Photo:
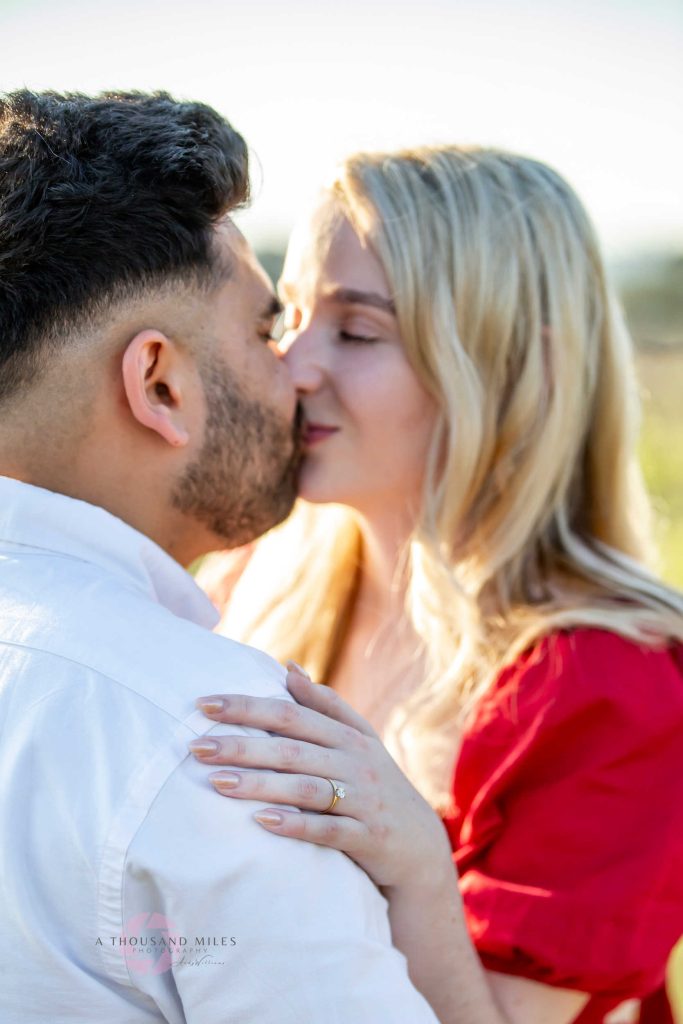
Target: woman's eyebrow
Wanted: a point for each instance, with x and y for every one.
(349, 296)
(353, 297)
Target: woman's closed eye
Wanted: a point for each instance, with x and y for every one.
(357, 326)
(358, 329)
(348, 336)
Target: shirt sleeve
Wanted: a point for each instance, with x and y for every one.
(568, 822)
(264, 928)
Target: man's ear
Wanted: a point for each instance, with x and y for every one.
(155, 384)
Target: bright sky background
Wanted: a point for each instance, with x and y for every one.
(594, 87)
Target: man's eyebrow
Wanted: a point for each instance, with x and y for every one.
(272, 308)
(353, 297)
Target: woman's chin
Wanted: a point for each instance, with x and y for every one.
(320, 487)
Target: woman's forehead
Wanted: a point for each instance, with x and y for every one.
(325, 254)
(309, 245)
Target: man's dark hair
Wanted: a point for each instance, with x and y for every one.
(101, 198)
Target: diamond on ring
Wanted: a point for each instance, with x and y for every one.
(338, 793)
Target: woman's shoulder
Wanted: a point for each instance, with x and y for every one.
(573, 694)
(583, 715)
(590, 667)
(594, 651)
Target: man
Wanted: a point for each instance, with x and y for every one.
(145, 421)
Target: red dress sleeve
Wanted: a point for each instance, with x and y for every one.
(568, 823)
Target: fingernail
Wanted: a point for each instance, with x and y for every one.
(293, 665)
(268, 817)
(225, 780)
(204, 747)
(212, 706)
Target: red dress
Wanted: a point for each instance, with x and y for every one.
(568, 823)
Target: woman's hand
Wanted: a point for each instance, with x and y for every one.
(381, 821)
(384, 824)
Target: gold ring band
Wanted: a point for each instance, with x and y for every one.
(338, 793)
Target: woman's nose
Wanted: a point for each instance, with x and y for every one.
(302, 354)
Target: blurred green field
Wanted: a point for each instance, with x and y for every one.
(661, 450)
(652, 294)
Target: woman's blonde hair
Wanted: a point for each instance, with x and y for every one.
(534, 516)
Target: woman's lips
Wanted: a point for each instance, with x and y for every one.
(314, 433)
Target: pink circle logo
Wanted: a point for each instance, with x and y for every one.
(148, 942)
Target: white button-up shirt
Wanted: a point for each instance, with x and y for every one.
(129, 890)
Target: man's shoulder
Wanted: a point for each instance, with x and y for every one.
(91, 622)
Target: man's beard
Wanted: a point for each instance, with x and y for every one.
(244, 480)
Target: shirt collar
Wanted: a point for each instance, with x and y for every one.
(40, 519)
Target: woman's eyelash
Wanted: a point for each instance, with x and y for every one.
(356, 337)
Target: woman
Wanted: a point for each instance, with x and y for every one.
(465, 572)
